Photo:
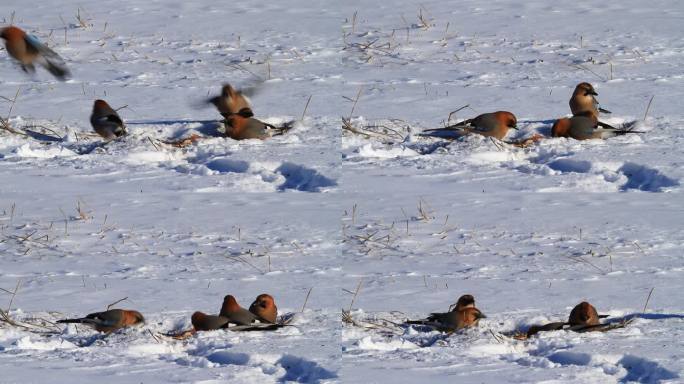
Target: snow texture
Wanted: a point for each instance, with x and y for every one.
(413, 222)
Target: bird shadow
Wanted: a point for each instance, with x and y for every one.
(40, 136)
(647, 316)
(452, 134)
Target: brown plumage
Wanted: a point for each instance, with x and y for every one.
(109, 321)
(494, 124)
(106, 122)
(230, 101)
(28, 50)
(264, 308)
(465, 301)
(235, 313)
(204, 322)
(463, 315)
(455, 320)
(242, 126)
(583, 314)
(583, 100)
(585, 126)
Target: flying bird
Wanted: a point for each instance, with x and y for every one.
(231, 101)
(28, 51)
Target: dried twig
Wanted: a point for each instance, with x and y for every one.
(456, 111)
(648, 107)
(16, 289)
(4, 122)
(647, 299)
(306, 107)
(306, 300)
(153, 336)
(582, 67)
(358, 288)
(116, 302)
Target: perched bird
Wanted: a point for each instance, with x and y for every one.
(583, 100)
(264, 308)
(28, 50)
(235, 313)
(109, 321)
(583, 318)
(106, 122)
(204, 322)
(241, 126)
(585, 126)
(583, 314)
(454, 320)
(495, 124)
(465, 301)
(463, 315)
(230, 101)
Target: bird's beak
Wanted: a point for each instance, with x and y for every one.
(592, 93)
(514, 127)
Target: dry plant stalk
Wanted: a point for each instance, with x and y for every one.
(4, 122)
(358, 288)
(382, 324)
(306, 107)
(306, 300)
(648, 107)
(116, 302)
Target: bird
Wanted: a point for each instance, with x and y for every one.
(455, 320)
(264, 308)
(231, 101)
(465, 301)
(242, 126)
(235, 313)
(583, 99)
(106, 122)
(463, 315)
(584, 314)
(28, 50)
(585, 126)
(494, 124)
(204, 322)
(110, 320)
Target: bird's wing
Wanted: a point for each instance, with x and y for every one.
(115, 119)
(214, 100)
(48, 58)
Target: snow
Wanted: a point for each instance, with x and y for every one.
(413, 221)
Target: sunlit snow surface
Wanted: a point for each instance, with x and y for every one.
(418, 221)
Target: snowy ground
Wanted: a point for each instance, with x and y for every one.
(417, 221)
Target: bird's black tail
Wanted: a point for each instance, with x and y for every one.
(83, 320)
(58, 69)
